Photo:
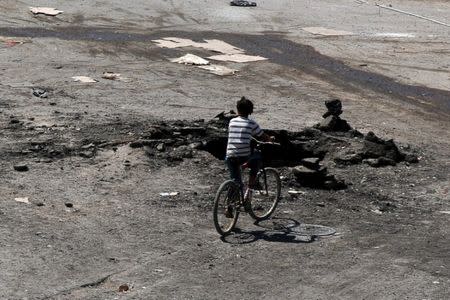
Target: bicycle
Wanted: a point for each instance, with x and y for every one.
(263, 200)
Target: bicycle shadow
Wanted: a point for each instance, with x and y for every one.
(281, 230)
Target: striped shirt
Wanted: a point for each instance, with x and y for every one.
(240, 132)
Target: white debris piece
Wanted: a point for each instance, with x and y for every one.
(49, 11)
(240, 58)
(111, 75)
(84, 79)
(171, 194)
(447, 212)
(326, 31)
(22, 199)
(212, 45)
(190, 59)
(219, 70)
(294, 192)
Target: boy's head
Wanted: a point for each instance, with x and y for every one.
(244, 107)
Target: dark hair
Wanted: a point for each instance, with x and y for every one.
(244, 106)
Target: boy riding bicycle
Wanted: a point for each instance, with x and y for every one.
(241, 130)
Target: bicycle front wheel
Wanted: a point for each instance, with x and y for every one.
(266, 194)
(226, 207)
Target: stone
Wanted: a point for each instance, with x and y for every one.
(334, 108)
(161, 147)
(21, 168)
(411, 158)
(348, 158)
(311, 162)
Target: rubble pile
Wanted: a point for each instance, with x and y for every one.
(308, 152)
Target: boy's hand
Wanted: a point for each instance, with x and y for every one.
(271, 139)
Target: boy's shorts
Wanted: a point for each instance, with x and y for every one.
(234, 165)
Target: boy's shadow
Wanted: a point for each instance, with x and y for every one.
(282, 230)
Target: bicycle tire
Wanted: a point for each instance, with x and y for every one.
(228, 189)
(265, 199)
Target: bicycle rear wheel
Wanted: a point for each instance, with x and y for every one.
(266, 194)
(226, 207)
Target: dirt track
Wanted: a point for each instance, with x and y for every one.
(95, 220)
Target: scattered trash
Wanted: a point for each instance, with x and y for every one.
(447, 212)
(326, 31)
(111, 75)
(238, 57)
(242, 3)
(84, 79)
(48, 11)
(190, 59)
(21, 168)
(40, 93)
(22, 199)
(219, 70)
(294, 192)
(377, 211)
(212, 45)
(123, 288)
(171, 194)
(12, 41)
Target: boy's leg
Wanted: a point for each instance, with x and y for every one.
(255, 164)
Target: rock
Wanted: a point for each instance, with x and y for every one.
(21, 168)
(40, 93)
(123, 288)
(197, 145)
(411, 158)
(86, 154)
(380, 162)
(333, 123)
(346, 158)
(14, 121)
(334, 108)
(304, 172)
(311, 162)
(161, 147)
(334, 184)
(68, 204)
(137, 144)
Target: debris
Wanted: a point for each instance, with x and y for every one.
(68, 204)
(294, 192)
(212, 45)
(84, 79)
(332, 121)
(21, 168)
(171, 194)
(40, 93)
(161, 147)
(447, 212)
(219, 70)
(311, 163)
(123, 288)
(12, 41)
(48, 11)
(190, 59)
(242, 3)
(111, 75)
(326, 31)
(240, 58)
(22, 199)
(377, 211)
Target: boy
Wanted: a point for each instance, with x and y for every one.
(240, 132)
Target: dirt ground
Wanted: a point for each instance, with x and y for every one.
(95, 220)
